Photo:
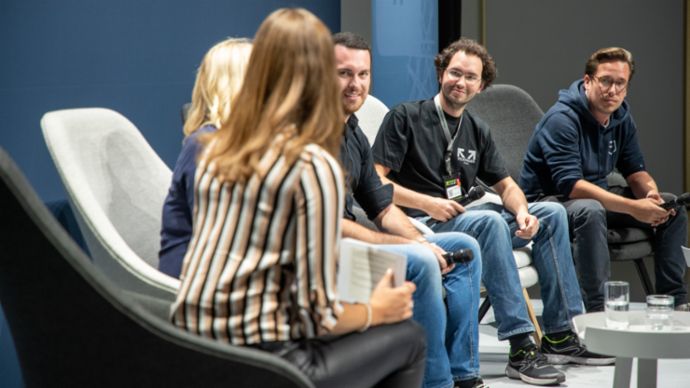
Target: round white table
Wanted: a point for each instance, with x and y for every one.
(637, 341)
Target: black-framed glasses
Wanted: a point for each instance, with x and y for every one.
(455, 75)
(607, 83)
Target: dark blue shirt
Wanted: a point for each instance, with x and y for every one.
(362, 181)
(176, 230)
(568, 144)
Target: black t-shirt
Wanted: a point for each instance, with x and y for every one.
(412, 144)
(361, 178)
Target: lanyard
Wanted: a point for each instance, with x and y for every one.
(446, 133)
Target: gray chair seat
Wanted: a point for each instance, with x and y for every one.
(628, 235)
(630, 251)
(629, 243)
(632, 244)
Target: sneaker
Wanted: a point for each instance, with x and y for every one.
(530, 366)
(571, 350)
(471, 383)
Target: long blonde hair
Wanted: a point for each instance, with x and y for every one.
(292, 84)
(218, 80)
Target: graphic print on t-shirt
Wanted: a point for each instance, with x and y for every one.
(466, 156)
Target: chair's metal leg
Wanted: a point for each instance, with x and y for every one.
(644, 276)
(532, 317)
(485, 306)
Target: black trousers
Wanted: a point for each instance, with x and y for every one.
(386, 356)
(589, 222)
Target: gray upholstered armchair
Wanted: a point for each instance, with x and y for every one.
(72, 327)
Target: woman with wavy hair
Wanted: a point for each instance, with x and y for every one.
(260, 269)
(218, 80)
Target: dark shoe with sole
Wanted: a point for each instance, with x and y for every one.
(471, 383)
(530, 366)
(570, 350)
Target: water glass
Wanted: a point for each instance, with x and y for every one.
(659, 311)
(617, 304)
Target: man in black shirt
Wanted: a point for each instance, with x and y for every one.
(435, 151)
(451, 328)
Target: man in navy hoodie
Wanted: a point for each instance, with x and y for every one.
(575, 146)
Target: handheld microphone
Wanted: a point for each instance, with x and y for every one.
(680, 201)
(472, 195)
(459, 256)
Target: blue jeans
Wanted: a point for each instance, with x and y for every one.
(494, 228)
(589, 222)
(451, 327)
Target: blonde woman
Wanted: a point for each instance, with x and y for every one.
(260, 268)
(218, 80)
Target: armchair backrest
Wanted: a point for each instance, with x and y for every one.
(117, 184)
(371, 116)
(512, 115)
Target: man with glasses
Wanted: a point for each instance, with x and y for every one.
(434, 150)
(447, 295)
(578, 142)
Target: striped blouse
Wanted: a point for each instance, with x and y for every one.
(262, 260)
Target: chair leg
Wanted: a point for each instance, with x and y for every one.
(484, 308)
(532, 317)
(644, 276)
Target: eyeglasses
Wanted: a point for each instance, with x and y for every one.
(455, 75)
(607, 82)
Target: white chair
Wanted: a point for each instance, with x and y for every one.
(370, 117)
(116, 184)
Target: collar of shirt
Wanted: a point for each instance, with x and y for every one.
(351, 123)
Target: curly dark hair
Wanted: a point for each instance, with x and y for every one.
(469, 46)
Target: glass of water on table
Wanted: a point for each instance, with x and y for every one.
(659, 311)
(617, 304)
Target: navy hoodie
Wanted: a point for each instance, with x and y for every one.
(568, 144)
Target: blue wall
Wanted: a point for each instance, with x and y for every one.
(404, 38)
(137, 57)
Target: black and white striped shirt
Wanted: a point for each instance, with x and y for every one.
(261, 265)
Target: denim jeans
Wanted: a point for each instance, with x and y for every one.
(494, 228)
(589, 222)
(451, 327)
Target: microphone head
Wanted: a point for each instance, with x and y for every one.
(683, 198)
(459, 256)
(476, 192)
(680, 201)
(473, 194)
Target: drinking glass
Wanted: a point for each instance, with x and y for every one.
(617, 303)
(659, 311)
